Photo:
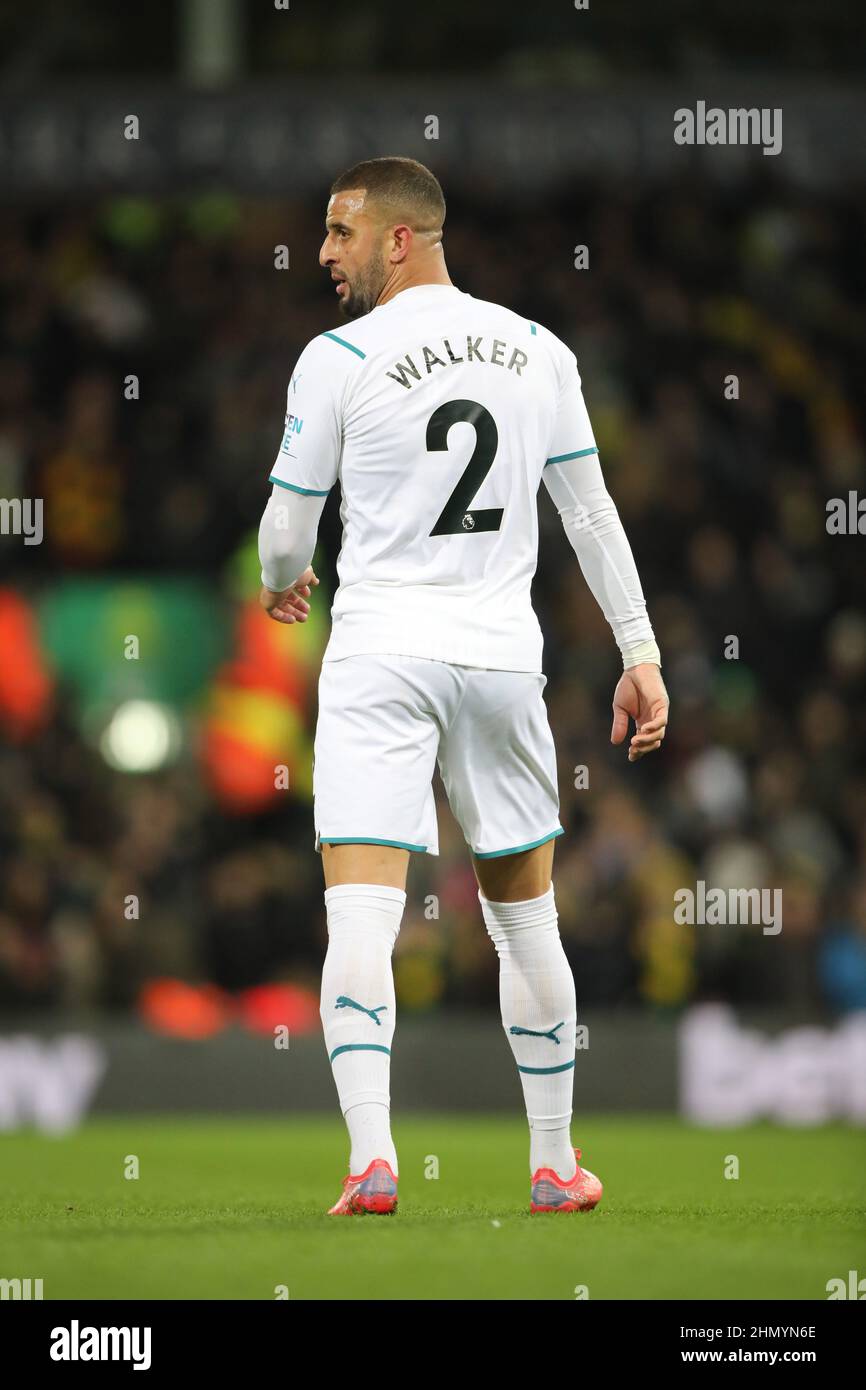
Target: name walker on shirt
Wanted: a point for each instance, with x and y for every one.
(409, 369)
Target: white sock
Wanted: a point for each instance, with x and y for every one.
(357, 1010)
(539, 1014)
(369, 1126)
(552, 1148)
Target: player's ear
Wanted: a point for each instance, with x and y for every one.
(401, 242)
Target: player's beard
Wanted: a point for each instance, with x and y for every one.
(365, 289)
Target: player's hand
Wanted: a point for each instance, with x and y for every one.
(641, 694)
(290, 606)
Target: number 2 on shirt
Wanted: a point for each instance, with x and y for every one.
(456, 516)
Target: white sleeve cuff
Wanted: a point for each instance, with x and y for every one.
(287, 536)
(642, 652)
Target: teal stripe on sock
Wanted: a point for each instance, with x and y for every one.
(547, 1071)
(359, 1047)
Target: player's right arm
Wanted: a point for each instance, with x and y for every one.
(305, 470)
(573, 477)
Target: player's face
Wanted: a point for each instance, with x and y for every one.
(352, 251)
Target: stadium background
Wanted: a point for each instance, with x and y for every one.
(152, 778)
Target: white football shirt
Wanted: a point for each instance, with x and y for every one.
(437, 413)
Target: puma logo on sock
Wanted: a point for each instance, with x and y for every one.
(531, 1033)
(344, 1002)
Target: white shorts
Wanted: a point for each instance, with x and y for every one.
(385, 721)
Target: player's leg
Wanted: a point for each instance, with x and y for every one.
(499, 768)
(515, 877)
(358, 863)
(358, 917)
(536, 995)
(374, 758)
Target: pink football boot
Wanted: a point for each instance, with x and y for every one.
(373, 1192)
(551, 1193)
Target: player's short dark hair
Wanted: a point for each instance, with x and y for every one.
(403, 188)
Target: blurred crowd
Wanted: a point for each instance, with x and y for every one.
(145, 348)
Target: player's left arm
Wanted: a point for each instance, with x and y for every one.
(305, 470)
(573, 477)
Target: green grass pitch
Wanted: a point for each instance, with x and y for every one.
(234, 1207)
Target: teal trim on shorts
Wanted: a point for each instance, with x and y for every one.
(305, 491)
(496, 853)
(581, 453)
(343, 343)
(360, 840)
(533, 329)
(547, 1071)
(361, 1047)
